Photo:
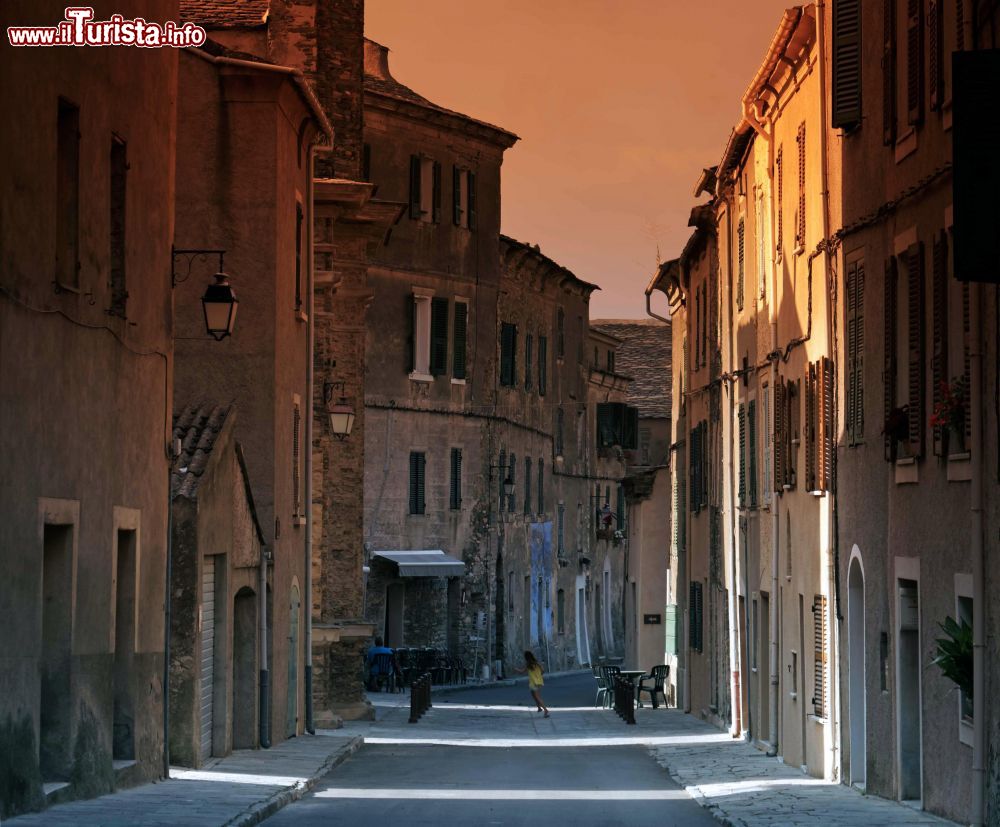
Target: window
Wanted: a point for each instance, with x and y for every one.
(620, 507)
(459, 341)
(502, 466)
(579, 341)
(617, 424)
(560, 333)
(425, 189)
(471, 199)
(611, 361)
(820, 650)
(914, 61)
(512, 475)
(541, 486)
(560, 431)
(561, 530)
(819, 426)
(455, 490)
(297, 509)
(888, 72)
(856, 352)
(846, 86)
(755, 635)
(561, 611)
(417, 465)
(439, 336)
(800, 212)
(761, 246)
(752, 450)
(741, 416)
(904, 354)
(527, 486)
(419, 340)
(508, 353)
(118, 169)
(529, 342)
(543, 364)
(964, 615)
(741, 262)
(779, 166)
(460, 193)
(765, 419)
(695, 613)
(935, 52)
(68, 194)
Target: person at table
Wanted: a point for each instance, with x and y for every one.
(373, 667)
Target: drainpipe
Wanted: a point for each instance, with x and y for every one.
(265, 685)
(978, 561)
(310, 724)
(167, 615)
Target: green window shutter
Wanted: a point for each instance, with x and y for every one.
(888, 72)
(779, 439)
(630, 428)
(561, 531)
(810, 428)
(541, 486)
(529, 347)
(527, 485)
(417, 468)
(411, 317)
(415, 186)
(752, 450)
(543, 364)
(915, 283)
(742, 419)
(670, 630)
(436, 201)
(439, 336)
(889, 353)
(695, 616)
(847, 63)
(508, 353)
(741, 260)
(460, 337)
(471, 178)
(456, 196)
(915, 61)
(512, 474)
(455, 493)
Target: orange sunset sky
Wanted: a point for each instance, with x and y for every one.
(619, 106)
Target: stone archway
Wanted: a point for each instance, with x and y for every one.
(856, 666)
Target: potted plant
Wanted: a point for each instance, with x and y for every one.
(954, 654)
(949, 413)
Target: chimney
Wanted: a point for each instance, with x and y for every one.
(377, 60)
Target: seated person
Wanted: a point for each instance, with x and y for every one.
(371, 660)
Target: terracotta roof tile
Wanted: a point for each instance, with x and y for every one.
(197, 427)
(645, 356)
(226, 14)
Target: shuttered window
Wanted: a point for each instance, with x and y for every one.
(820, 656)
(561, 530)
(779, 427)
(512, 476)
(560, 431)
(456, 196)
(560, 333)
(541, 486)
(527, 485)
(768, 464)
(417, 464)
(855, 389)
(471, 199)
(529, 348)
(752, 450)
(460, 340)
(415, 174)
(741, 262)
(436, 199)
(793, 393)
(889, 355)
(915, 338)
(117, 225)
(297, 510)
(543, 365)
(800, 212)
(888, 72)
(508, 353)
(695, 613)
(779, 166)
(846, 63)
(939, 358)
(617, 424)
(914, 61)
(742, 424)
(502, 466)
(935, 52)
(819, 426)
(455, 489)
(439, 336)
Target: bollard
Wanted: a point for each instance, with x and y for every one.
(624, 695)
(420, 697)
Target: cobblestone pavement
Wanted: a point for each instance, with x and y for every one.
(242, 789)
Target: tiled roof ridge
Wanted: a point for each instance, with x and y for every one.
(197, 426)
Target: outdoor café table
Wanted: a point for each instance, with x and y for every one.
(634, 675)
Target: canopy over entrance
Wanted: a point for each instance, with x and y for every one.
(429, 563)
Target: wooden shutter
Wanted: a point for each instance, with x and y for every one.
(417, 460)
(939, 358)
(852, 349)
(297, 510)
(847, 63)
(460, 337)
(471, 200)
(456, 196)
(561, 531)
(935, 54)
(436, 201)
(560, 431)
(512, 474)
(959, 25)
(695, 611)
(794, 433)
(415, 186)
(527, 485)
(966, 361)
(543, 364)
(298, 255)
(742, 418)
(529, 352)
(914, 61)
(508, 353)
(889, 354)
(820, 656)
(810, 428)
(824, 422)
(455, 494)
(630, 428)
(439, 335)
(888, 72)
(752, 451)
(741, 261)
(411, 334)
(779, 165)
(915, 337)
(541, 486)
(800, 215)
(856, 352)
(779, 427)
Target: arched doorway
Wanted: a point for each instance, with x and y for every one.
(292, 715)
(856, 666)
(244, 669)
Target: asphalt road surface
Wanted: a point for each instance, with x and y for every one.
(411, 784)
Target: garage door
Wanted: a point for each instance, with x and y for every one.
(207, 654)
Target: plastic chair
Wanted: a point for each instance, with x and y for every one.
(602, 687)
(608, 673)
(658, 675)
(382, 673)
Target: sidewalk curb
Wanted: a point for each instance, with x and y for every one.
(281, 799)
(444, 690)
(714, 810)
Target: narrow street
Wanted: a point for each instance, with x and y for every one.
(511, 776)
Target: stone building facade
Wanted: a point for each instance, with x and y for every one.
(86, 376)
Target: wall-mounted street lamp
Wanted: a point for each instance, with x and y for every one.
(341, 414)
(219, 302)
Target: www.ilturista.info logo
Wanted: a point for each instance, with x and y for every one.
(80, 29)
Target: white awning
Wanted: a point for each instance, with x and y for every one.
(429, 563)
